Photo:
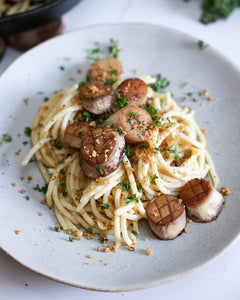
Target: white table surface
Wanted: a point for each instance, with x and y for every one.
(219, 280)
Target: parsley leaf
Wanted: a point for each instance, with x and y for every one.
(121, 101)
(160, 84)
(132, 197)
(143, 145)
(125, 186)
(174, 149)
(58, 229)
(153, 178)
(202, 45)
(114, 48)
(152, 111)
(104, 206)
(56, 144)
(100, 170)
(42, 189)
(28, 131)
(6, 138)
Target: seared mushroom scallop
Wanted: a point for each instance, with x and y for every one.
(133, 121)
(166, 215)
(135, 90)
(203, 202)
(101, 151)
(107, 68)
(74, 134)
(96, 96)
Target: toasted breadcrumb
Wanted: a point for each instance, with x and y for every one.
(18, 232)
(185, 229)
(206, 92)
(39, 213)
(90, 256)
(189, 221)
(14, 184)
(149, 251)
(210, 98)
(225, 191)
(204, 130)
(130, 248)
(22, 191)
(44, 201)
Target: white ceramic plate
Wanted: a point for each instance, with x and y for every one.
(150, 49)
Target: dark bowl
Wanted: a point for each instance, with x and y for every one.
(34, 18)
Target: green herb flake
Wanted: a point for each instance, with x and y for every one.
(111, 81)
(163, 102)
(90, 229)
(58, 229)
(188, 153)
(125, 186)
(46, 99)
(72, 238)
(156, 150)
(65, 193)
(132, 197)
(56, 144)
(160, 84)
(27, 197)
(114, 48)
(169, 121)
(140, 190)
(6, 138)
(80, 132)
(121, 101)
(174, 149)
(104, 206)
(184, 84)
(103, 240)
(121, 130)
(42, 189)
(88, 78)
(28, 131)
(128, 152)
(62, 171)
(153, 178)
(62, 161)
(100, 170)
(62, 185)
(25, 143)
(144, 146)
(61, 68)
(202, 45)
(159, 123)
(152, 111)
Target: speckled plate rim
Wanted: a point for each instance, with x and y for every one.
(160, 281)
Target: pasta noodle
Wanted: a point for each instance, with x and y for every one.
(103, 206)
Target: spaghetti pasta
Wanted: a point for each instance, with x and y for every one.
(174, 153)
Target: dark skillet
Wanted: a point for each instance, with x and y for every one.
(31, 19)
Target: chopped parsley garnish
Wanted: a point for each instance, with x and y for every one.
(111, 81)
(56, 144)
(81, 84)
(202, 45)
(174, 149)
(27, 197)
(62, 161)
(160, 84)
(87, 116)
(128, 152)
(121, 101)
(90, 229)
(80, 132)
(121, 130)
(162, 102)
(72, 238)
(62, 171)
(62, 68)
(58, 229)
(88, 78)
(132, 197)
(25, 143)
(103, 240)
(40, 125)
(28, 131)
(169, 121)
(65, 193)
(93, 53)
(114, 71)
(42, 189)
(6, 138)
(46, 99)
(132, 115)
(184, 84)
(159, 123)
(62, 185)
(188, 153)
(144, 146)
(156, 150)
(152, 111)
(100, 170)
(153, 178)
(114, 48)
(140, 189)
(104, 206)
(125, 186)
(133, 231)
